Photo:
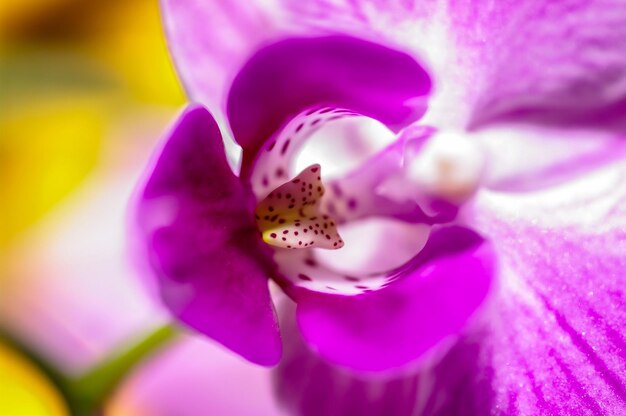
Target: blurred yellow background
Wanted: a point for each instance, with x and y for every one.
(86, 89)
(71, 72)
(23, 390)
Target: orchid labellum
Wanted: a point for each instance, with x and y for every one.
(437, 187)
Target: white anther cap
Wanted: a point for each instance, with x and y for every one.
(449, 166)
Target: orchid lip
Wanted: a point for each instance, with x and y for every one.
(291, 217)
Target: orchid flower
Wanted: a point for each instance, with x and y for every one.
(467, 241)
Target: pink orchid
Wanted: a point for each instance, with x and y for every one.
(495, 282)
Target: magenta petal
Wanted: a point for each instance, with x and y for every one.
(496, 59)
(558, 344)
(210, 40)
(204, 245)
(456, 385)
(395, 326)
(283, 79)
(307, 385)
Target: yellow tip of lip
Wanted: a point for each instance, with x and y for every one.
(290, 216)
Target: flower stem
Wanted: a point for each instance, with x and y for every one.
(90, 390)
(86, 394)
(51, 372)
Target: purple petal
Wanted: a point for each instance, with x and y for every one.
(210, 42)
(580, 42)
(211, 265)
(286, 78)
(486, 61)
(430, 302)
(306, 384)
(557, 345)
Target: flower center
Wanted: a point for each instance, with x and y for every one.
(290, 216)
(390, 191)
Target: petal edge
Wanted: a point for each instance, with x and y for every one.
(211, 266)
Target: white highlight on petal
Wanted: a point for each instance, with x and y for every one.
(529, 157)
(162, 213)
(343, 145)
(376, 247)
(432, 41)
